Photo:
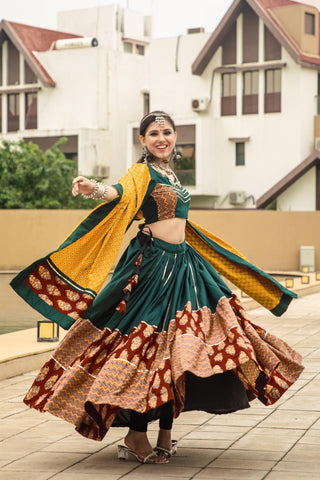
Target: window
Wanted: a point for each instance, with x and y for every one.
(13, 65)
(250, 36)
(128, 47)
(309, 24)
(229, 46)
(139, 49)
(250, 96)
(272, 96)
(229, 94)
(186, 168)
(146, 103)
(29, 76)
(31, 102)
(240, 154)
(272, 48)
(13, 112)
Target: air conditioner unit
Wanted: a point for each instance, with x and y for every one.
(317, 143)
(199, 104)
(102, 171)
(237, 197)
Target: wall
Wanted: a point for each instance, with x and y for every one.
(270, 239)
(300, 196)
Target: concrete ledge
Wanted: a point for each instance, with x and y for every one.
(20, 365)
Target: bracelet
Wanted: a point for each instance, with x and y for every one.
(99, 190)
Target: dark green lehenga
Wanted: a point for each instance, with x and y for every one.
(183, 338)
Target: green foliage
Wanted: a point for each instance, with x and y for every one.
(30, 178)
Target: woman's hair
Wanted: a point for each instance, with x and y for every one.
(151, 117)
(146, 121)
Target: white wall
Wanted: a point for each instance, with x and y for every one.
(301, 195)
(79, 98)
(97, 22)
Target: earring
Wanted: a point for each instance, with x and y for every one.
(146, 154)
(176, 156)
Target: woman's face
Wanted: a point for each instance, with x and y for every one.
(160, 140)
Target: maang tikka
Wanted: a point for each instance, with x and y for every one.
(160, 120)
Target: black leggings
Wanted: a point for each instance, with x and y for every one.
(139, 423)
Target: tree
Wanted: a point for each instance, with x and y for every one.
(30, 178)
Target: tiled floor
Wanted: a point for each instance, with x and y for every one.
(281, 442)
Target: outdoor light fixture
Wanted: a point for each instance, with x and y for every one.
(305, 269)
(47, 331)
(289, 282)
(317, 275)
(305, 279)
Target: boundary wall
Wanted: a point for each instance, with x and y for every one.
(270, 239)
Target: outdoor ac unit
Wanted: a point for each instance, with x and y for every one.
(102, 171)
(317, 143)
(237, 197)
(199, 104)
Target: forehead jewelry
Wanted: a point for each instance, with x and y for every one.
(160, 121)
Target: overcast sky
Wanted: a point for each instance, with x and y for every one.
(171, 17)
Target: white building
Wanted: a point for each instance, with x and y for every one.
(85, 86)
(245, 99)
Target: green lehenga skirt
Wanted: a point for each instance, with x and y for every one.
(166, 328)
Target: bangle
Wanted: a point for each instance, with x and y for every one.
(99, 190)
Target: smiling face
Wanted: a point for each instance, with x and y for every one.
(160, 141)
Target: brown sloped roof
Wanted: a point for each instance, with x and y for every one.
(28, 39)
(262, 8)
(289, 179)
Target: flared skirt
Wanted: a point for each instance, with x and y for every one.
(166, 328)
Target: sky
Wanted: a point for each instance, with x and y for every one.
(171, 17)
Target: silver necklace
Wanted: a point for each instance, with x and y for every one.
(168, 172)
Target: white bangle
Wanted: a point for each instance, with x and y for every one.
(99, 190)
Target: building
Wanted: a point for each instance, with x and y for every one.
(245, 98)
(83, 86)
(262, 120)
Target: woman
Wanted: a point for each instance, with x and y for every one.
(166, 334)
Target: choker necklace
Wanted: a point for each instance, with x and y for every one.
(167, 171)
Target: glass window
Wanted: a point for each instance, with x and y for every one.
(140, 49)
(29, 76)
(273, 81)
(128, 47)
(250, 97)
(251, 83)
(229, 84)
(229, 94)
(13, 65)
(309, 24)
(146, 103)
(31, 102)
(240, 153)
(186, 168)
(272, 97)
(13, 112)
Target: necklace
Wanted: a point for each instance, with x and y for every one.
(167, 171)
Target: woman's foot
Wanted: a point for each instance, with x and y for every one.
(138, 442)
(164, 439)
(165, 446)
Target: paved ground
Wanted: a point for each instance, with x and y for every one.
(281, 442)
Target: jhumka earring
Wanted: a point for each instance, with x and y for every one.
(176, 156)
(147, 156)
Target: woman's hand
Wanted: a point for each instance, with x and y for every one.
(82, 185)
